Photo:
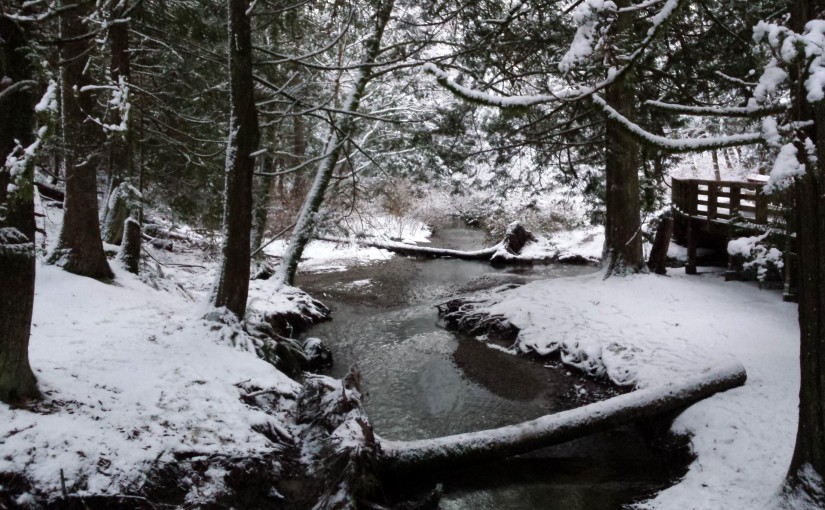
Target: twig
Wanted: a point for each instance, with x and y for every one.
(63, 485)
(169, 264)
(279, 234)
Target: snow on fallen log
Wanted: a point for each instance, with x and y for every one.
(557, 428)
(421, 251)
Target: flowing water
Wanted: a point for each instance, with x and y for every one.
(422, 381)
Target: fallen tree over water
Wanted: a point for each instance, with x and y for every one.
(508, 251)
(418, 251)
(503, 442)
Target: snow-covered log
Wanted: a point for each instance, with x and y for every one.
(420, 251)
(557, 428)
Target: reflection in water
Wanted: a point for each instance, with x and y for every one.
(421, 381)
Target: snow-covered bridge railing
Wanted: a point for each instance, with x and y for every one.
(725, 202)
(723, 208)
(728, 209)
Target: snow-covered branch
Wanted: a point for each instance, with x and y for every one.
(20, 162)
(721, 111)
(683, 144)
(571, 93)
(15, 87)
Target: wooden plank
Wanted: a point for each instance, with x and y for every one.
(712, 201)
(761, 209)
(690, 267)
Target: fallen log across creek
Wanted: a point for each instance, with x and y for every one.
(549, 430)
(514, 240)
(421, 251)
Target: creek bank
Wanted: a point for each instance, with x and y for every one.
(421, 381)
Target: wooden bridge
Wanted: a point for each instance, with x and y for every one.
(705, 209)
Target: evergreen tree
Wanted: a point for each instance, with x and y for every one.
(232, 286)
(79, 249)
(17, 227)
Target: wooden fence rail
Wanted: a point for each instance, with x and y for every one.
(729, 209)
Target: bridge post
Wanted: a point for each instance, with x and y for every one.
(690, 267)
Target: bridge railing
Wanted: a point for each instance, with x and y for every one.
(726, 202)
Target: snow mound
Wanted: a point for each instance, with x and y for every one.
(131, 377)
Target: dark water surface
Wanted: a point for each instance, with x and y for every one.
(422, 381)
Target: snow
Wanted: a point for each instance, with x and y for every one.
(772, 77)
(326, 256)
(756, 254)
(133, 375)
(785, 168)
(130, 376)
(587, 16)
(677, 144)
(648, 330)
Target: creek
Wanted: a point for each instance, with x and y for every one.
(421, 381)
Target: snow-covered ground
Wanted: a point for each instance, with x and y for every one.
(133, 375)
(647, 330)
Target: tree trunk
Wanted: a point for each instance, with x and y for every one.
(807, 469)
(232, 286)
(263, 194)
(658, 253)
(79, 248)
(338, 135)
(714, 156)
(129, 254)
(623, 240)
(487, 445)
(17, 260)
(120, 144)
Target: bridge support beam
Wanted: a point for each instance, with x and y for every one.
(690, 267)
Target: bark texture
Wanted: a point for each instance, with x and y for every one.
(123, 202)
(658, 253)
(17, 273)
(805, 476)
(79, 249)
(338, 135)
(623, 240)
(129, 254)
(232, 287)
(487, 445)
(120, 144)
(17, 260)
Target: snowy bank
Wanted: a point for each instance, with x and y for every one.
(133, 379)
(648, 330)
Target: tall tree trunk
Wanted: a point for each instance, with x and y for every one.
(623, 237)
(805, 476)
(232, 286)
(79, 248)
(120, 144)
(714, 155)
(338, 135)
(17, 260)
(263, 193)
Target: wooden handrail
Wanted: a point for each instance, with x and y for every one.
(722, 200)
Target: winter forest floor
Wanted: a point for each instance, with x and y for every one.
(133, 377)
